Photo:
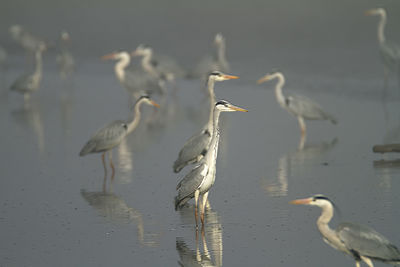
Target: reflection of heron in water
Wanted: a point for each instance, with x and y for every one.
(116, 210)
(112, 134)
(389, 51)
(199, 181)
(358, 241)
(288, 163)
(212, 232)
(31, 116)
(299, 106)
(3, 58)
(218, 62)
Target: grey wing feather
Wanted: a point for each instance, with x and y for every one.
(24, 83)
(307, 108)
(390, 53)
(193, 150)
(367, 242)
(189, 184)
(105, 138)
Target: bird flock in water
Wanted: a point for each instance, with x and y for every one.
(199, 153)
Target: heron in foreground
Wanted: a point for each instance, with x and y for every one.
(199, 180)
(390, 52)
(299, 106)
(29, 83)
(112, 134)
(215, 62)
(358, 241)
(197, 145)
(136, 82)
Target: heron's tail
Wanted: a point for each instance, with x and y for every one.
(178, 166)
(88, 148)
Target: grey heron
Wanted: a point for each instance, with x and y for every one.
(65, 60)
(135, 82)
(215, 62)
(389, 51)
(299, 106)
(197, 145)
(358, 241)
(29, 83)
(24, 38)
(159, 66)
(113, 133)
(202, 177)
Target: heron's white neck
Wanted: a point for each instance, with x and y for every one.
(120, 67)
(323, 226)
(278, 89)
(37, 75)
(146, 64)
(381, 28)
(213, 150)
(210, 87)
(136, 117)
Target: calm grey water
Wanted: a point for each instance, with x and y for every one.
(56, 208)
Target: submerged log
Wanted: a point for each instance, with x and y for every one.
(389, 148)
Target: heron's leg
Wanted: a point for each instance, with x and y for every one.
(357, 264)
(302, 142)
(196, 200)
(111, 164)
(302, 125)
(203, 207)
(367, 261)
(104, 163)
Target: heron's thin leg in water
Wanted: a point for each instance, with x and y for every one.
(196, 199)
(111, 164)
(367, 261)
(302, 125)
(203, 206)
(104, 163)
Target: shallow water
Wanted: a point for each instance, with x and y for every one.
(57, 208)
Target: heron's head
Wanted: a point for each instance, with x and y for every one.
(219, 39)
(219, 76)
(146, 99)
(317, 200)
(223, 105)
(376, 12)
(270, 76)
(65, 36)
(15, 30)
(142, 50)
(117, 55)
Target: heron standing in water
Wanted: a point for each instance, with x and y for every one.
(29, 83)
(65, 60)
(299, 106)
(112, 134)
(197, 145)
(390, 52)
(211, 63)
(359, 241)
(199, 180)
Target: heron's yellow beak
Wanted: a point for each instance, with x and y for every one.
(238, 108)
(303, 201)
(230, 77)
(369, 12)
(154, 104)
(264, 79)
(108, 56)
(134, 53)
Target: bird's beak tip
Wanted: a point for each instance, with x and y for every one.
(231, 77)
(155, 104)
(304, 201)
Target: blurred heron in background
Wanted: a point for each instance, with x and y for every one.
(299, 106)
